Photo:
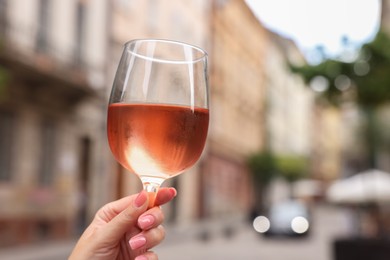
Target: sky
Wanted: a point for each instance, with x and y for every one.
(313, 23)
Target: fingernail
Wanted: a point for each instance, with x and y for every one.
(137, 242)
(140, 200)
(141, 257)
(173, 192)
(145, 221)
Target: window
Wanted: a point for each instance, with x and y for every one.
(48, 153)
(80, 32)
(6, 142)
(43, 26)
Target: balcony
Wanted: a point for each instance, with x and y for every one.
(38, 71)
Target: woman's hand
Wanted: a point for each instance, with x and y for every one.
(125, 229)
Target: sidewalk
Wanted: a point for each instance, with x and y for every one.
(43, 251)
(219, 239)
(176, 233)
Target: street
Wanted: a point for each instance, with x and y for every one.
(243, 244)
(248, 245)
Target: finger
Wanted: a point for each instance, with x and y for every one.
(151, 218)
(126, 220)
(147, 239)
(147, 256)
(165, 195)
(112, 209)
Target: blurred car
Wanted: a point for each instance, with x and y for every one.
(289, 218)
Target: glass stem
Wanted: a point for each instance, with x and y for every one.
(151, 185)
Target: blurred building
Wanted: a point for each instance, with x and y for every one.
(53, 76)
(237, 54)
(57, 64)
(327, 143)
(297, 126)
(290, 103)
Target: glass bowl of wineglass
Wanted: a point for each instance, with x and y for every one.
(158, 113)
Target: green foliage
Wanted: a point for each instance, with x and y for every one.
(3, 81)
(291, 167)
(371, 88)
(3, 76)
(263, 167)
(329, 70)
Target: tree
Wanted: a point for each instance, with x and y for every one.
(262, 167)
(3, 81)
(291, 167)
(366, 81)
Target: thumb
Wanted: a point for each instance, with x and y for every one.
(126, 220)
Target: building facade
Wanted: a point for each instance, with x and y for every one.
(57, 64)
(289, 108)
(238, 49)
(53, 64)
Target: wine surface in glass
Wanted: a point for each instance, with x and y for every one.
(156, 140)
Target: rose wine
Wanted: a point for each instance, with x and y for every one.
(156, 140)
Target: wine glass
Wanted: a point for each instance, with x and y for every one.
(158, 113)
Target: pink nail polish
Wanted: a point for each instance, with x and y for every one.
(173, 192)
(141, 257)
(137, 242)
(140, 200)
(145, 221)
